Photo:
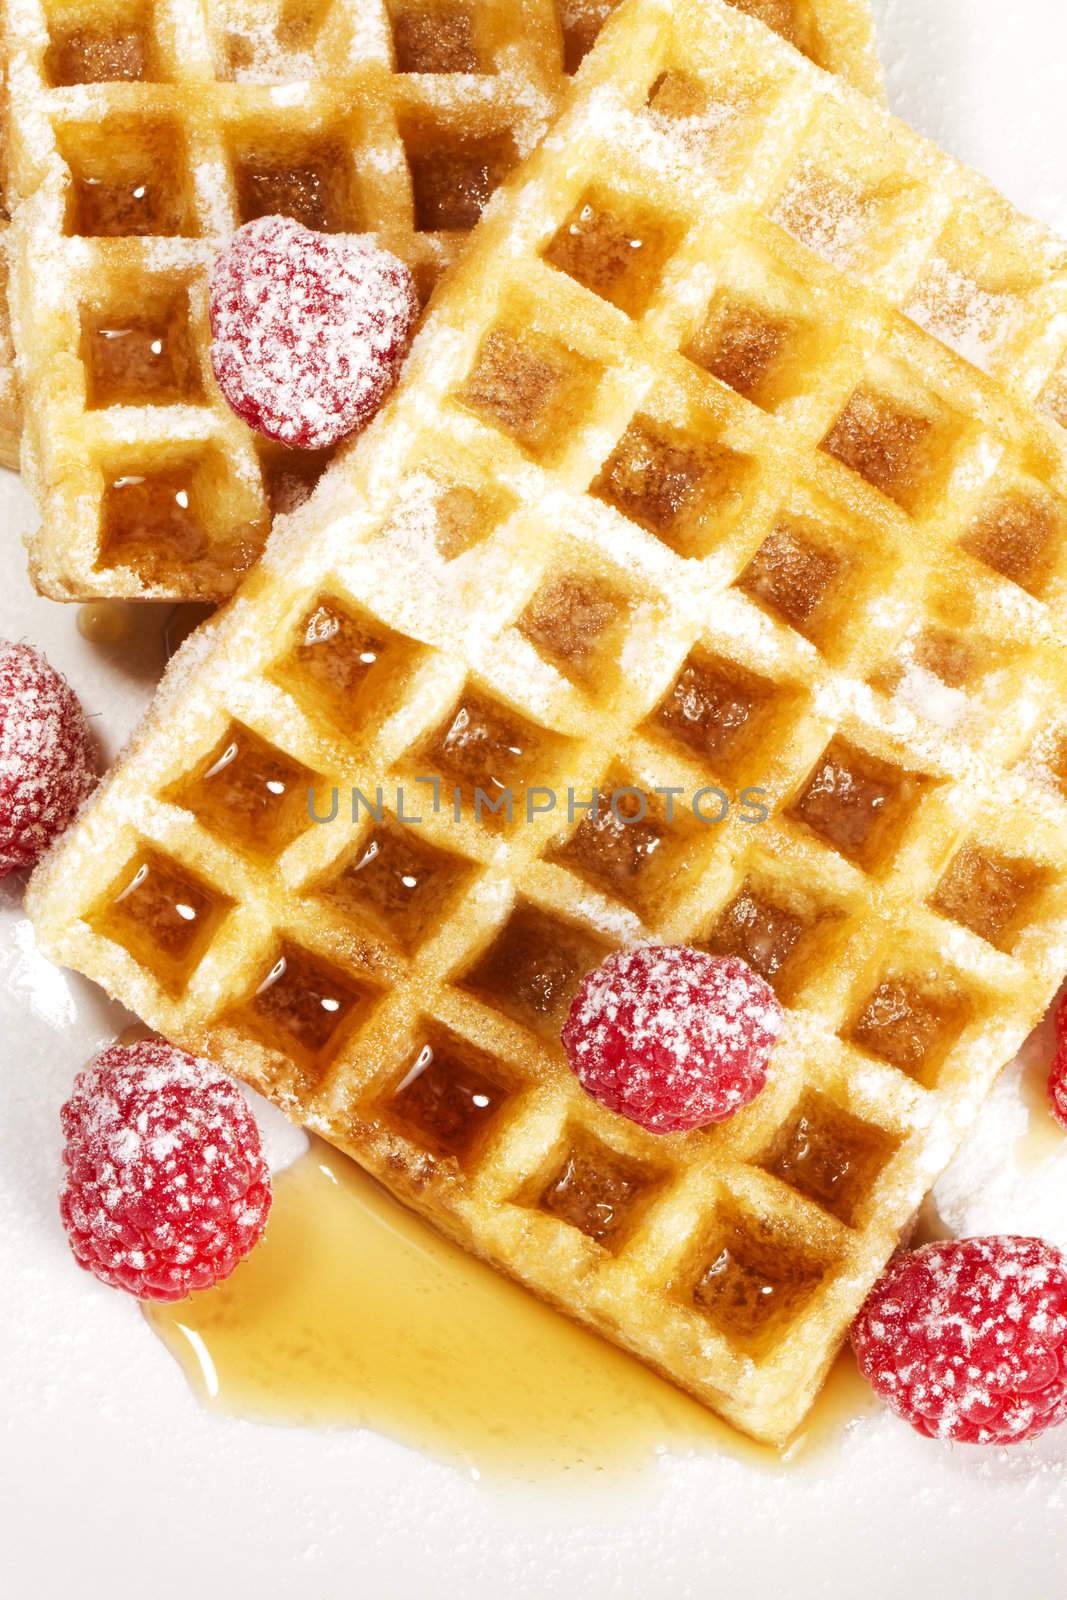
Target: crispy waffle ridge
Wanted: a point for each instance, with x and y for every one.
(665, 501)
(141, 137)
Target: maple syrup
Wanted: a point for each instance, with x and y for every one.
(449, 1096)
(400, 883)
(98, 55)
(795, 578)
(712, 708)
(674, 484)
(753, 1278)
(481, 745)
(452, 179)
(759, 931)
(441, 40)
(742, 346)
(148, 359)
(881, 441)
(619, 258)
(337, 661)
(309, 185)
(568, 619)
(909, 1028)
(105, 623)
(353, 1313)
(154, 512)
(829, 1155)
(162, 914)
(627, 847)
(127, 177)
(532, 969)
(988, 894)
(303, 1006)
(528, 385)
(248, 793)
(598, 1190)
(856, 802)
(143, 636)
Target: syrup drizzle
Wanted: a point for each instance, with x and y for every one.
(353, 1313)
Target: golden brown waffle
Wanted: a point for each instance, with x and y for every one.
(664, 500)
(10, 419)
(141, 137)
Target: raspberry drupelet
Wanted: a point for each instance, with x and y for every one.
(967, 1339)
(1057, 1078)
(308, 330)
(166, 1187)
(47, 756)
(672, 1038)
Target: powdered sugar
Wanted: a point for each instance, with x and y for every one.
(308, 331)
(925, 693)
(42, 987)
(825, 214)
(962, 314)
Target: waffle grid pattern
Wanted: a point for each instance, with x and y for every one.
(700, 511)
(143, 135)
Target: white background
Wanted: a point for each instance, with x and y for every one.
(113, 1482)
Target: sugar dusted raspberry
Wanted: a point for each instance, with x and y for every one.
(1057, 1078)
(47, 755)
(308, 329)
(967, 1340)
(166, 1187)
(670, 1037)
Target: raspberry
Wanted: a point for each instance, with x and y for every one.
(166, 1186)
(47, 755)
(1057, 1078)
(670, 1037)
(967, 1340)
(308, 330)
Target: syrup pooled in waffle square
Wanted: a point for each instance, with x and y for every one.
(143, 135)
(665, 505)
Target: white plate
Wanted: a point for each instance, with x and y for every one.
(113, 1482)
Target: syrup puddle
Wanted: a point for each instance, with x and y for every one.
(353, 1313)
(141, 636)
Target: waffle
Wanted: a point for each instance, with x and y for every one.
(10, 420)
(397, 118)
(666, 503)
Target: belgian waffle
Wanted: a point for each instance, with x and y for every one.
(665, 501)
(141, 137)
(10, 420)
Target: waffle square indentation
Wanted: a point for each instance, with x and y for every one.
(532, 967)
(163, 914)
(450, 1095)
